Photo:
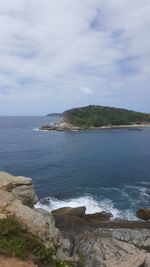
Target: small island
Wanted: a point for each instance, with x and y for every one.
(54, 114)
(96, 117)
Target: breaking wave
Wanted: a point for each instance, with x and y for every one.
(92, 206)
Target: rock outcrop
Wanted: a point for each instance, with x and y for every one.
(104, 242)
(65, 126)
(98, 241)
(20, 187)
(78, 212)
(143, 214)
(16, 193)
(63, 213)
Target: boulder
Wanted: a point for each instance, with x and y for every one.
(8, 181)
(79, 212)
(20, 187)
(143, 214)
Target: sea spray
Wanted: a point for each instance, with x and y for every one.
(92, 206)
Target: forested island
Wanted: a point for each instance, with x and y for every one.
(99, 117)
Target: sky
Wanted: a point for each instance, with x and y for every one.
(55, 55)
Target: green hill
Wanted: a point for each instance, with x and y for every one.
(102, 116)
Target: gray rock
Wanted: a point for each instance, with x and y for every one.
(13, 192)
(26, 194)
(79, 212)
(147, 262)
(98, 217)
(20, 187)
(143, 214)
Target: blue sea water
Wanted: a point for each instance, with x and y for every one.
(104, 170)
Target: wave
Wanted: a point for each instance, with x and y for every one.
(143, 183)
(142, 192)
(92, 206)
(122, 202)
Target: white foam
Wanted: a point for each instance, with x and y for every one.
(39, 130)
(143, 183)
(128, 214)
(92, 205)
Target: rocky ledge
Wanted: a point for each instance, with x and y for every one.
(105, 242)
(65, 126)
(85, 240)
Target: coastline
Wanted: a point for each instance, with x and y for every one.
(66, 237)
(64, 126)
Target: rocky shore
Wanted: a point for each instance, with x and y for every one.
(65, 126)
(77, 239)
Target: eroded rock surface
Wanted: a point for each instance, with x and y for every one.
(105, 243)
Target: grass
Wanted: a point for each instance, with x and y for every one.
(60, 263)
(81, 258)
(16, 241)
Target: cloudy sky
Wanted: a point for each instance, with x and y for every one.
(59, 54)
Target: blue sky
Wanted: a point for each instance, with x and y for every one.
(56, 55)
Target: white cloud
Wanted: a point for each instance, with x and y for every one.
(86, 90)
(48, 49)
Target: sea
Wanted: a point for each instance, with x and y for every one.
(106, 170)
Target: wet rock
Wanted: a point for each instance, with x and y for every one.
(79, 212)
(99, 216)
(143, 214)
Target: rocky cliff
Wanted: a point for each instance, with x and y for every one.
(75, 238)
(17, 197)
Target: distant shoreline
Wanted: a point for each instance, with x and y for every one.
(64, 126)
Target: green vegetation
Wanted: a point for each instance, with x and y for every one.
(81, 258)
(104, 116)
(27, 202)
(60, 263)
(16, 241)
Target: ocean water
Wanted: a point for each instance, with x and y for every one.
(104, 170)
